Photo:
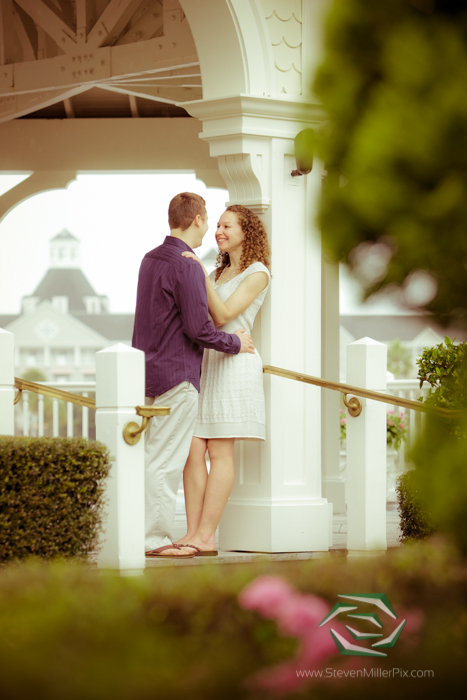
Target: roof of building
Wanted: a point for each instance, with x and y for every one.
(6, 319)
(66, 282)
(111, 326)
(402, 327)
(64, 235)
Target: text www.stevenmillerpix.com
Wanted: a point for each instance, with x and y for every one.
(366, 673)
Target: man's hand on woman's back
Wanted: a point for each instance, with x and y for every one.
(246, 341)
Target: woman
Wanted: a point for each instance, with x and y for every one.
(231, 402)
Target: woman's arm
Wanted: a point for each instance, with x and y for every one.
(240, 300)
(244, 295)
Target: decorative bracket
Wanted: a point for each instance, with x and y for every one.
(18, 397)
(132, 431)
(354, 405)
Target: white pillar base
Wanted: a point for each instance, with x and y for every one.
(7, 416)
(334, 491)
(276, 527)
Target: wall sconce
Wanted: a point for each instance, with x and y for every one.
(304, 147)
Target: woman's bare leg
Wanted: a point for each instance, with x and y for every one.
(218, 489)
(195, 476)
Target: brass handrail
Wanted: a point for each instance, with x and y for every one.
(131, 431)
(357, 391)
(25, 385)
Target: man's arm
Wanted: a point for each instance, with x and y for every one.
(194, 313)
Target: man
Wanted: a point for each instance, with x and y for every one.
(172, 327)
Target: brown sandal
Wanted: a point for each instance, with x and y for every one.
(157, 552)
(201, 552)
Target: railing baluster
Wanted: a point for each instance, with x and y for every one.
(85, 419)
(69, 420)
(55, 418)
(25, 413)
(40, 416)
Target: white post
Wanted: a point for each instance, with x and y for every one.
(333, 483)
(7, 383)
(366, 450)
(119, 388)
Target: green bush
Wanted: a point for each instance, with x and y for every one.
(414, 522)
(51, 496)
(179, 632)
(444, 368)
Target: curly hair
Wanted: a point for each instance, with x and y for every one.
(255, 247)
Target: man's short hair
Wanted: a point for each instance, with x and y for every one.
(183, 208)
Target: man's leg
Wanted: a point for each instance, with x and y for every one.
(167, 446)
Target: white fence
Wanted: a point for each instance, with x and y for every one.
(39, 416)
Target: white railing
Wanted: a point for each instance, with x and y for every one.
(33, 422)
(397, 461)
(59, 420)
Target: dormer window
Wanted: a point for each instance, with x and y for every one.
(93, 305)
(60, 303)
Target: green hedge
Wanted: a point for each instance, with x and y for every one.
(178, 632)
(51, 496)
(414, 522)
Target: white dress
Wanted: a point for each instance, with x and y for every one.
(231, 400)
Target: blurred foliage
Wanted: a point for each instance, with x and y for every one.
(178, 632)
(399, 359)
(394, 204)
(414, 520)
(52, 493)
(434, 494)
(444, 368)
(440, 477)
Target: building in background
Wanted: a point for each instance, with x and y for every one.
(414, 331)
(64, 322)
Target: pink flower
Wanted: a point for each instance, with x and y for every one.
(390, 422)
(389, 412)
(402, 425)
(299, 614)
(343, 421)
(266, 595)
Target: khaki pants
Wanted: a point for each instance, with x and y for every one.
(168, 442)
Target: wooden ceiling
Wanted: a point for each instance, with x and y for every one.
(95, 59)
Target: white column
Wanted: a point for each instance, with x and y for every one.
(333, 484)
(366, 450)
(119, 388)
(7, 381)
(276, 504)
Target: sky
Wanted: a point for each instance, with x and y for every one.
(118, 218)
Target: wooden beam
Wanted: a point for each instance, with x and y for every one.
(61, 33)
(133, 106)
(148, 25)
(27, 34)
(69, 110)
(96, 67)
(16, 106)
(112, 22)
(6, 32)
(84, 19)
(166, 94)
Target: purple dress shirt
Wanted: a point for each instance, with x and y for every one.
(172, 325)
